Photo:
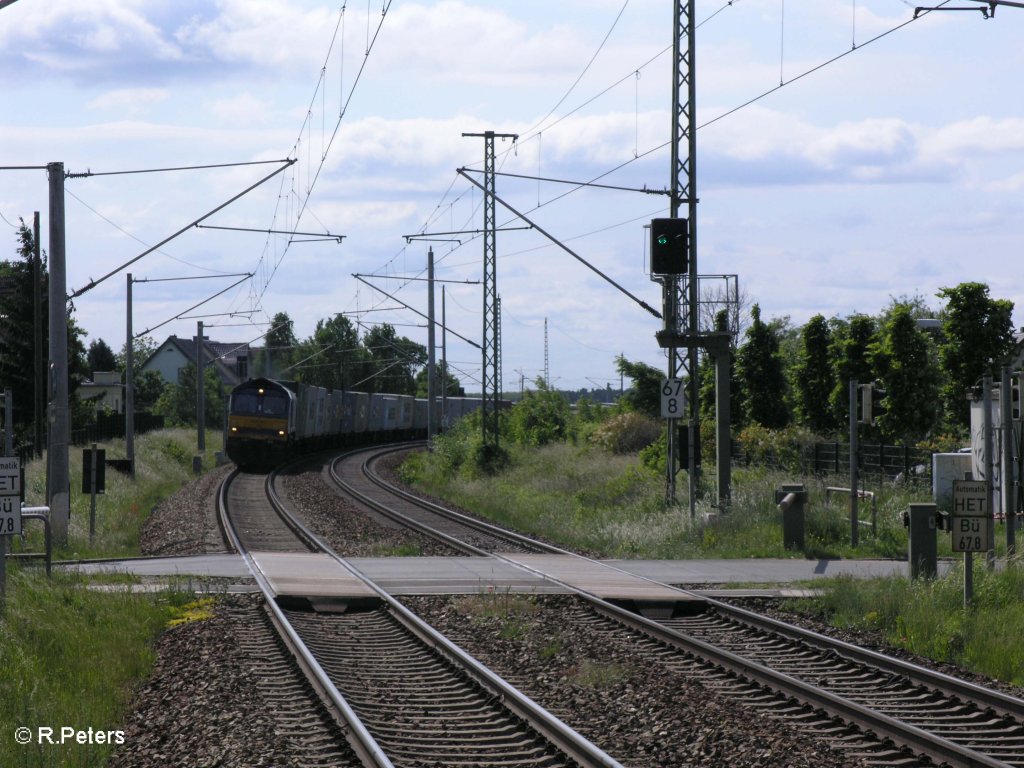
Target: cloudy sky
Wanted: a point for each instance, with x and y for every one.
(894, 171)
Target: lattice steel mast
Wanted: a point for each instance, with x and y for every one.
(680, 327)
(491, 371)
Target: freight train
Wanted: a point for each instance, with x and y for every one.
(270, 421)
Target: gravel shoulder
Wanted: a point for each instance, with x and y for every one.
(185, 523)
(202, 706)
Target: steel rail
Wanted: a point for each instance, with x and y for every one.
(480, 525)
(884, 726)
(557, 732)
(519, 538)
(477, 525)
(361, 740)
(986, 698)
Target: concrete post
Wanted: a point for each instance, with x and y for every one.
(129, 387)
(791, 500)
(854, 523)
(431, 427)
(58, 469)
(988, 438)
(1006, 468)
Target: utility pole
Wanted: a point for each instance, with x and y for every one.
(431, 427)
(490, 382)
(58, 470)
(444, 363)
(681, 333)
(1006, 466)
(498, 347)
(39, 361)
(129, 387)
(200, 389)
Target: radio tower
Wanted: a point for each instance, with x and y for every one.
(547, 369)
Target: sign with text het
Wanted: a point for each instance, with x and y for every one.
(970, 519)
(10, 496)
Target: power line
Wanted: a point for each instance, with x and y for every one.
(312, 178)
(93, 283)
(88, 174)
(139, 240)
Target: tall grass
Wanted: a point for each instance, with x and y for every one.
(70, 655)
(929, 617)
(163, 463)
(583, 496)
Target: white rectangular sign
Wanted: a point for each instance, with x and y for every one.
(10, 496)
(970, 520)
(970, 534)
(673, 398)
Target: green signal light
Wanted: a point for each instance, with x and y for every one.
(662, 240)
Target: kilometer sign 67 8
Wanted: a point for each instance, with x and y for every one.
(673, 398)
(10, 496)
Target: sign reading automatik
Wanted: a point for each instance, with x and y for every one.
(10, 496)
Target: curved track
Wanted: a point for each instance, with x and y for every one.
(964, 721)
(406, 696)
(355, 474)
(892, 712)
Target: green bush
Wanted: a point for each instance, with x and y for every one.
(781, 448)
(540, 418)
(626, 433)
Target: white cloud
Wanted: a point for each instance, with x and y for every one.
(269, 34)
(128, 101)
(66, 35)
(244, 109)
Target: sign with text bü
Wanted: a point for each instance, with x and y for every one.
(10, 496)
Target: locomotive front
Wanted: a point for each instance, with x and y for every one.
(261, 423)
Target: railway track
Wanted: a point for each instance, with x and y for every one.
(404, 695)
(892, 713)
(963, 722)
(356, 475)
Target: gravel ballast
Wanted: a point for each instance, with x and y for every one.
(641, 713)
(638, 711)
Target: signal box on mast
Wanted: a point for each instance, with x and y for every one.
(670, 246)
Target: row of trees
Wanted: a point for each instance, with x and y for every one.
(17, 335)
(784, 375)
(334, 356)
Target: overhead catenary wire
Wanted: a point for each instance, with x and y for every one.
(194, 306)
(93, 283)
(139, 240)
(312, 178)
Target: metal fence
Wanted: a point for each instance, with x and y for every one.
(882, 462)
(111, 425)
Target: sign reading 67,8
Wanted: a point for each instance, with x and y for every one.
(673, 398)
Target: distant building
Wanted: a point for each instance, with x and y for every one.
(1017, 355)
(105, 391)
(229, 360)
